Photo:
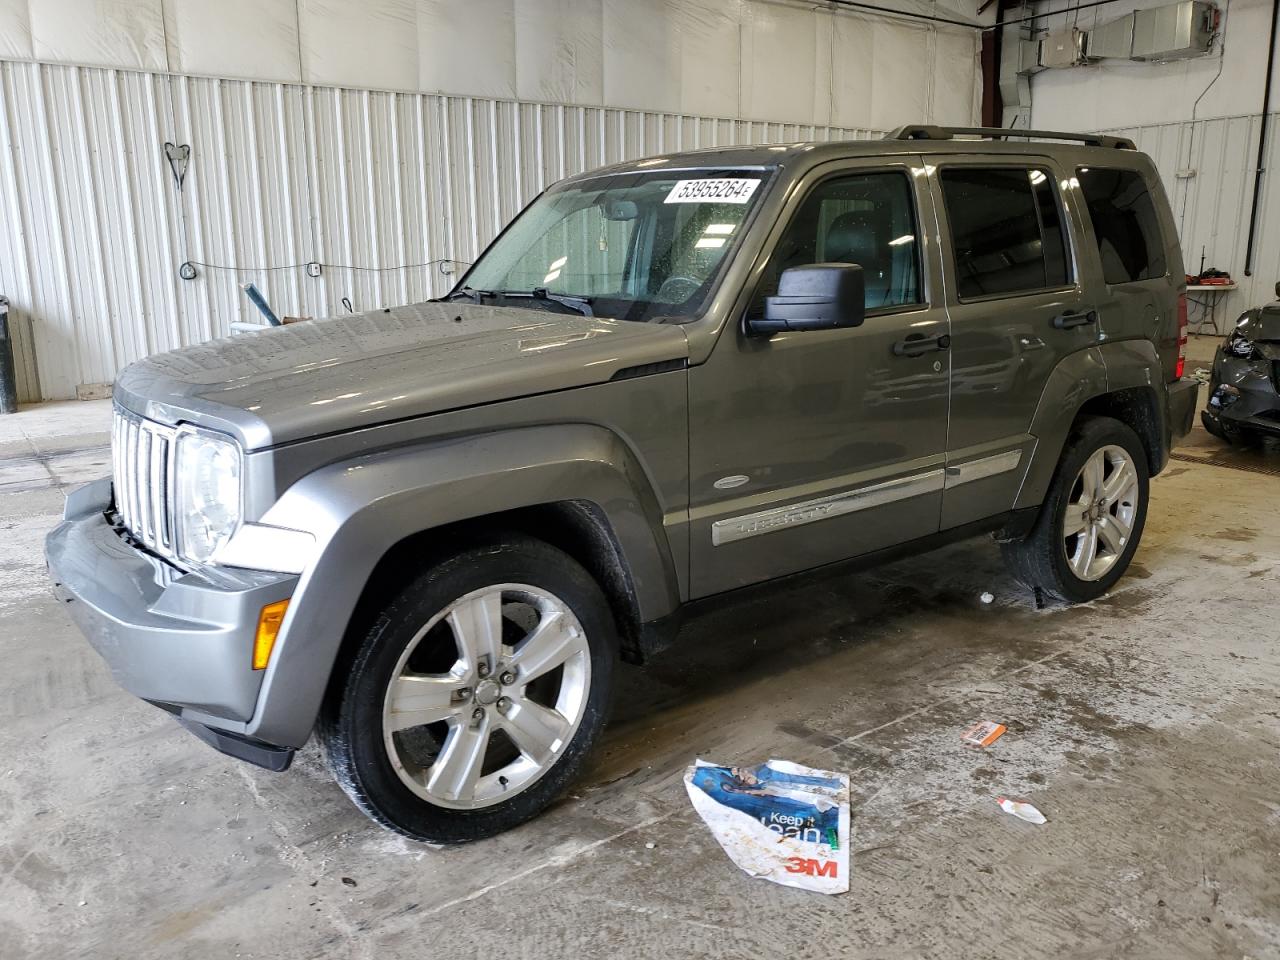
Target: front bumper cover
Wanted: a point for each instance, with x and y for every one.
(1251, 401)
(183, 641)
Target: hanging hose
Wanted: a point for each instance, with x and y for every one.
(1262, 144)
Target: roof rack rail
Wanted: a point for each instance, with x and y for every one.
(924, 131)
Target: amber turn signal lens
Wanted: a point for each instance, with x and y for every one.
(268, 629)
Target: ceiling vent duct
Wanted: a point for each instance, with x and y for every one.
(1111, 39)
(1063, 48)
(1174, 32)
(1019, 61)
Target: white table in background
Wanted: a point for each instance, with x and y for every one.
(1209, 309)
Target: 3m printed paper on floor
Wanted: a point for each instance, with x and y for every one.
(779, 820)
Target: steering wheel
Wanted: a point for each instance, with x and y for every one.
(677, 289)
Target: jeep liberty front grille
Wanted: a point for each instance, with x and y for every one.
(141, 464)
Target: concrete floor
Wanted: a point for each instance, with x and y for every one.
(1146, 726)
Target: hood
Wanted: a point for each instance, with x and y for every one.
(324, 376)
(1261, 326)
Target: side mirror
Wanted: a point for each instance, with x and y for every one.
(821, 296)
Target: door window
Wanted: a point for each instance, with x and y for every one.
(1124, 223)
(866, 218)
(1006, 230)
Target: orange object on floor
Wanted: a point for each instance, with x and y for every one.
(983, 733)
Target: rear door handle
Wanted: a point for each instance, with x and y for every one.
(1072, 318)
(918, 345)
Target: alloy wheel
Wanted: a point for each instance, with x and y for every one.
(486, 696)
(1098, 521)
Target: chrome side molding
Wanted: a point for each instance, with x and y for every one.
(810, 511)
(982, 468)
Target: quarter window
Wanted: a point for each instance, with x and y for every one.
(1006, 230)
(868, 219)
(1125, 224)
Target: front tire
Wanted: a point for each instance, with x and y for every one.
(476, 695)
(1092, 518)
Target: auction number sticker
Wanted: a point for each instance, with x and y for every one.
(718, 190)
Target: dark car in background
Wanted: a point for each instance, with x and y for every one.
(1244, 388)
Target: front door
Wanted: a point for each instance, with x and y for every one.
(817, 446)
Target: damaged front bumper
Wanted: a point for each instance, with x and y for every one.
(1244, 395)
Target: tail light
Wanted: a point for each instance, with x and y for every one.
(1181, 365)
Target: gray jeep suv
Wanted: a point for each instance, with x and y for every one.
(427, 533)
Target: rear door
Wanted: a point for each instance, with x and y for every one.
(1135, 241)
(812, 447)
(1016, 307)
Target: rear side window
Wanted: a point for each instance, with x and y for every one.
(1124, 223)
(1006, 230)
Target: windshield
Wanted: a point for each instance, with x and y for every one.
(633, 246)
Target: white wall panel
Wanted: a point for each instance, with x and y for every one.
(378, 187)
(467, 47)
(853, 72)
(559, 51)
(774, 60)
(886, 71)
(710, 43)
(786, 63)
(253, 39)
(123, 33)
(370, 44)
(15, 30)
(955, 52)
(642, 54)
(902, 79)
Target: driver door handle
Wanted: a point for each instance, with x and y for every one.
(918, 345)
(1072, 318)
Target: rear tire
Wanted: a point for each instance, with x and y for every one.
(477, 694)
(1092, 518)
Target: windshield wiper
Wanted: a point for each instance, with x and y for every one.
(581, 304)
(577, 304)
(472, 294)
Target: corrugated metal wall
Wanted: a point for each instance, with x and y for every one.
(381, 189)
(1212, 207)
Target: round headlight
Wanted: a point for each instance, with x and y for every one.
(207, 487)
